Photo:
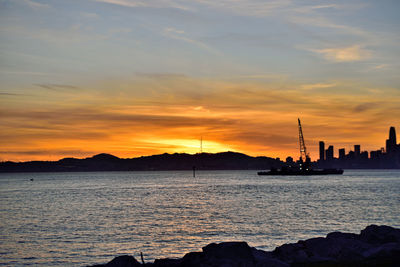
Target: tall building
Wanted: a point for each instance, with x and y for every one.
(342, 153)
(357, 151)
(391, 143)
(392, 134)
(329, 153)
(321, 150)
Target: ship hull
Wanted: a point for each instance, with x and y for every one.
(302, 172)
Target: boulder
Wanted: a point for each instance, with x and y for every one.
(223, 254)
(167, 262)
(385, 251)
(121, 261)
(232, 250)
(374, 234)
(374, 246)
(266, 259)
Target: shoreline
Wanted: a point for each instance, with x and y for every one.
(374, 246)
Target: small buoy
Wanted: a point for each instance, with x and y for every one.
(31, 179)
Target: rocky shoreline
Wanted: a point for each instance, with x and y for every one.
(374, 246)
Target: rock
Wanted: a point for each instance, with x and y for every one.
(374, 246)
(194, 259)
(239, 251)
(223, 254)
(263, 258)
(340, 235)
(344, 248)
(387, 251)
(291, 252)
(374, 234)
(167, 262)
(123, 261)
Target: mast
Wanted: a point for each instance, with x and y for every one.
(303, 150)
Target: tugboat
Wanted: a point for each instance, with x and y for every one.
(299, 171)
(304, 167)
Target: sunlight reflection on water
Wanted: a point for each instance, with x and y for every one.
(87, 218)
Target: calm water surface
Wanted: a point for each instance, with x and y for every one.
(87, 218)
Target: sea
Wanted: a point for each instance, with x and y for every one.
(80, 219)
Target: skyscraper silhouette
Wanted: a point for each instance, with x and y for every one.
(329, 153)
(357, 149)
(392, 134)
(379, 159)
(391, 143)
(342, 153)
(321, 150)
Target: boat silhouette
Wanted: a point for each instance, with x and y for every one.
(304, 167)
(298, 171)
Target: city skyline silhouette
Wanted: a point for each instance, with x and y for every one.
(383, 158)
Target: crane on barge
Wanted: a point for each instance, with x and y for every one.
(303, 149)
(305, 160)
(304, 167)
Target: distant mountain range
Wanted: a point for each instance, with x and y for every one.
(107, 162)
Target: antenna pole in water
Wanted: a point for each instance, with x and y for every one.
(141, 256)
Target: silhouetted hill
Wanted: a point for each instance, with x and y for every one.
(104, 157)
(107, 162)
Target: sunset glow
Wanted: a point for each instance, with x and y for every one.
(134, 78)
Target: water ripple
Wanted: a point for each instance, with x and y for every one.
(86, 218)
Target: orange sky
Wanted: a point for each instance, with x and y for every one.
(152, 114)
(133, 77)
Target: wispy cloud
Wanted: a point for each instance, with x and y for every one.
(345, 6)
(171, 30)
(240, 7)
(146, 3)
(182, 36)
(323, 22)
(90, 15)
(47, 153)
(317, 86)
(253, 116)
(25, 73)
(247, 99)
(367, 106)
(34, 4)
(72, 34)
(344, 54)
(57, 87)
(312, 8)
(247, 8)
(9, 94)
(380, 66)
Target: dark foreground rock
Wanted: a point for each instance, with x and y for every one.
(374, 246)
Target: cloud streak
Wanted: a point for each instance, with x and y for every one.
(180, 35)
(136, 77)
(317, 86)
(344, 54)
(253, 117)
(146, 3)
(57, 87)
(34, 4)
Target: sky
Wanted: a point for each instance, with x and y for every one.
(134, 78)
